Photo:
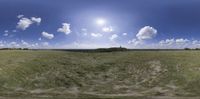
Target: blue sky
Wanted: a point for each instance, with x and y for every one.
(100, 23)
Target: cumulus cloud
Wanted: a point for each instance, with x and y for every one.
(146, 32)
(5, 34)
(20, 16)
(36, 20)
(107, 29)
(181, 41)
(40, 39)
(113, 37)
(14, 31)
(124, 34)
(2, 44)
(96, 34)
(24, 23)
(83, 45)
(196, 42)
(167, 42)
(47, 35)
(13, 44)
(34, 45)
(84, 31)
(6, 31)
(174, 41)
(65, 29)
(178, 43)
(24, 44)
(135, 42)
(45, 44)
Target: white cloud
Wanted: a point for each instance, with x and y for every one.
(178, 43)
(84, 31)
(6, 31)
(20, 16)
(167, 42)
(14, 31)
(24, 44)
(40, 39)
(196, 42)
(107, 29)
(13, 44)
(96, 34)
(24, 23)
(135, 42)
(5, 34)
(113, 37)
(45, 44)
(2, 44)
(35, 45)
(146, 32)
(83, 45)
(124, 34)
(182, 41)
(47, 35)
(36, 20)
(65, 29)
(174, 41)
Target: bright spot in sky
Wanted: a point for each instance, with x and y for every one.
(107, 29)
(101, 21)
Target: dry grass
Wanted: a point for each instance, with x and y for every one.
(142, 73)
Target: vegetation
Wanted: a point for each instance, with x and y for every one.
(112, 49)
(100, 74)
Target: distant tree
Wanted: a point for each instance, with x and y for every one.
(186, 48)
(112, 49)
(25, 48)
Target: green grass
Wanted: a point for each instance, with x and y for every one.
(139, 73)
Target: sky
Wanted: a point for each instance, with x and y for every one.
(78, 24)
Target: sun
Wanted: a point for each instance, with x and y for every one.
(101, 21)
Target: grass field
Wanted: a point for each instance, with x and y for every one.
(95, 75)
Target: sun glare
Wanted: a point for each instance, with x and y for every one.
(101, 21)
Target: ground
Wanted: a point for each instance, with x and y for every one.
(146, 74)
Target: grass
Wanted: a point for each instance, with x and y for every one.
(137, 73)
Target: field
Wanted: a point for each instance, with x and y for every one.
(92, 75)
